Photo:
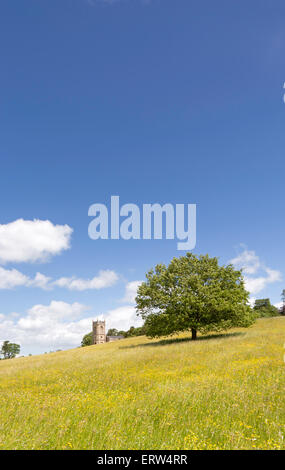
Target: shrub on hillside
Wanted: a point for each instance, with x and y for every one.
(263, 308)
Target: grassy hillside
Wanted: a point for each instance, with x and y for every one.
(223, 392)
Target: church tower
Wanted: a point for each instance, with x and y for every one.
(99, 333)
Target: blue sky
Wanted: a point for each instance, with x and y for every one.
(158, 101)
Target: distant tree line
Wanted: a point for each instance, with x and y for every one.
(132, 331)
(264, 308)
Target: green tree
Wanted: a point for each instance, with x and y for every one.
(122, 333)
(87, 339)
(139, 331)
(9, 350)
(263, 308)
(130, 332)
(112, 332)
(193, 293)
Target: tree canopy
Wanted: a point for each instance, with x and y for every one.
(193, 293)
(263, 308)
(115, 332)
(87, 339)
(135, 331)
(9, 350)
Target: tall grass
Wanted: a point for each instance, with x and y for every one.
(222, 392)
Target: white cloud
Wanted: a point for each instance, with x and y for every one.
(42, 316)
(105, 278)
(121, 318)
(250, 263)
(252, 301)
(60, 325)
(53, 326)
(40, 280)
(32, 240)
(10, 278)
(131, 291)
(38, 240)
(278, 305)
(257, 284)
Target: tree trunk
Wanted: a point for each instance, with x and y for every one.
(194, 333)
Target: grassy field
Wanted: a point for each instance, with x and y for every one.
(220, 392)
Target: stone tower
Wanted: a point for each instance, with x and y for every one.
(99, 334)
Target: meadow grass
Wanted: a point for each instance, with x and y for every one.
(220, 392)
